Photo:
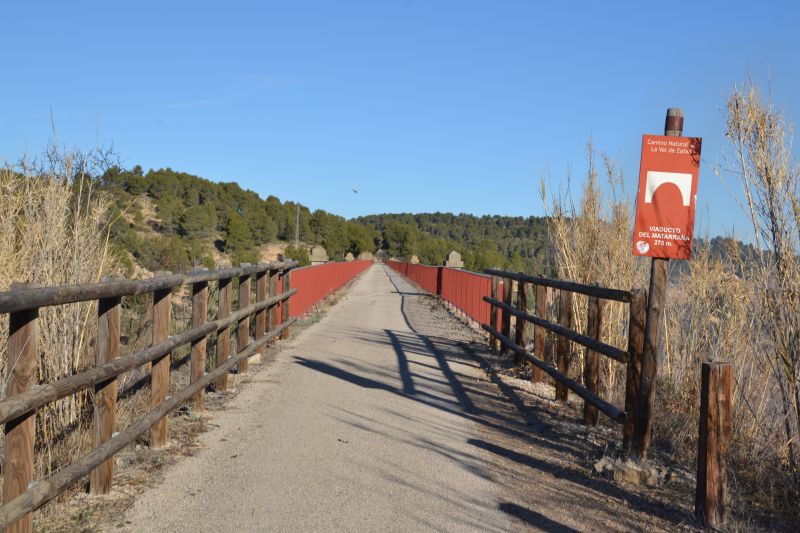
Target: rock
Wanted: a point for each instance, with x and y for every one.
(627, 471)
(601, 465)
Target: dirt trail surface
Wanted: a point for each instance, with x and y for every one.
(380, 418)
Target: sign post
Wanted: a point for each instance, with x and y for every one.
(665, 206)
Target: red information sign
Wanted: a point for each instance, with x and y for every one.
(667, 196)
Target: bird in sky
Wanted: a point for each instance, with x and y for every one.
(355, 191)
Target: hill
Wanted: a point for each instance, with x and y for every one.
(170, 220)
(515, 243)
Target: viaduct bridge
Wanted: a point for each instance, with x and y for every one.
(386, 413)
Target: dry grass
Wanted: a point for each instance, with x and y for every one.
(720, 307)
(592, 246)
(53, 230)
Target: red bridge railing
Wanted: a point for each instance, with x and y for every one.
(463, 289)
(314, 283)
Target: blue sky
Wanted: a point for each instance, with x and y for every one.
(429, 105)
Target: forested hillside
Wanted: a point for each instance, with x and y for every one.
(169, 220)
(196, 221)
(515, 243)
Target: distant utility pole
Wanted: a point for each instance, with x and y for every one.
(297, 227)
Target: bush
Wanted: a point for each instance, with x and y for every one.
(299, 254)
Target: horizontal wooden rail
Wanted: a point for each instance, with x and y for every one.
(44, 491)
(593, 344)
(32, 298)
(589, 290)
(20, 404)
(604, 407)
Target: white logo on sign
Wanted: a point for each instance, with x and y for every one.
(656, 179)
(642, 246)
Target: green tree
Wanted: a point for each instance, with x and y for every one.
(199, 221)
(239, 240)
(400, 239)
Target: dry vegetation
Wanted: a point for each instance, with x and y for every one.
(53, 231)
(729, 307)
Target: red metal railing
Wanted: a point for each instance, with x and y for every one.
(461, 288)
(314, 283)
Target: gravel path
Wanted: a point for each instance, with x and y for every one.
(379, 418)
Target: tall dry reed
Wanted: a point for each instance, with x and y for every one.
(54, 230)
(727, 304)
(592, 246)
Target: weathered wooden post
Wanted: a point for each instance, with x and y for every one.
(272, 315)
(539, 332)
(564, 347)
(197, 366)
(519, 329)
(159, 373)
(716, 407)
(494, 342)
(657, 293)
(243, 331)
(109, 322)
(285, 311)
(591, 368)
(223, 335)
(23, 340)
(508, 285)
(636, 325)
(262, 280)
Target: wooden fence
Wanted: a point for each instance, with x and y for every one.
(716, 390)
(24, 397)
(589, 390)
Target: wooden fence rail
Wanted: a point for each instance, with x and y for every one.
(24, 397)
(588, 290)
(36, 297)
(610, 410)
(584, 340)
(590, 389)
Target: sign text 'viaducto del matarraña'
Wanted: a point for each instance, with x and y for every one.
(667, 197)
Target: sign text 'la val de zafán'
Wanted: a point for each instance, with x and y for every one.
(667, 197)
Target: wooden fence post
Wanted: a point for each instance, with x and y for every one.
(243, 332)
(159, 373)
(539, 332)
(508, 291)
(197, 367)
(272, 315)
(591, 369)
(109, 322)
(564, 347)
(657, 294)
(23, 339)
(262, 280)
(287, 285)
(223, 335)
(636, 325)
(716, 426)
(494, 342)
(519, 328)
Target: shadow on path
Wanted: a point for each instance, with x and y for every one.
(461, 395)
